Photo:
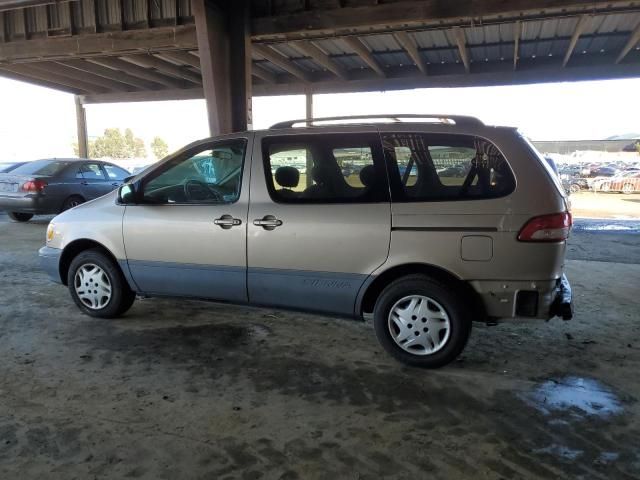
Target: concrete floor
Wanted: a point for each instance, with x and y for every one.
(182, 389)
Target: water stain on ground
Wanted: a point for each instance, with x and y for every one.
(576, 395)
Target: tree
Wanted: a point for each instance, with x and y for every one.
(113, 144)
(159, 147)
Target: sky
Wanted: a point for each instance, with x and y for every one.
(38, 122)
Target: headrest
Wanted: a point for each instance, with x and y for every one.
(368, 175)
(287, 177)
(321, 174)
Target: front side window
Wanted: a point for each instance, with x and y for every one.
(116, 173)
(434, 167)
(90, 171)
(205, 175)
(325, 169)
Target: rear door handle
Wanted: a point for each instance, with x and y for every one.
(227, 221)
(115, 184)
(268, 222)
(85, 183)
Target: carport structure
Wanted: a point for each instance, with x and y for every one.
(228, 51)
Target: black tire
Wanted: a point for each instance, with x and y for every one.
(72, 201)
(574, 188)
(452, 301)
(122, 297)
(20, 217)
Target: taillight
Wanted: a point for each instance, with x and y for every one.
(33, 186)
(547, 228)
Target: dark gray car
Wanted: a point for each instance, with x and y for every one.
(54, 185)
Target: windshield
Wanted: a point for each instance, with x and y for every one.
(42, 167)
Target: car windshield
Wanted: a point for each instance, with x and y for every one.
(42, 167)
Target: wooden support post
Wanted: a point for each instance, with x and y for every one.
(226, 76)
(81, 123)
(308, 96)
(240, 66)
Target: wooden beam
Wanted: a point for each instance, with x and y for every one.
(461, 42)
(100, 44)
(81, 126)
(137, 71)
(263, 73)
(321, 58)
(84, 76)
(281, 61)
(407, 13)
(38, 82)
(11, 4)
(180, 57)
(634, 39)
(407, 42)
(42, 74)
(84, 66)
(144, 96)
(363, 52)
(517, 35)
(149, 61)
(583, 21)
(490, 75)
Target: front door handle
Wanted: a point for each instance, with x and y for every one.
(227, 221)
(268, 222)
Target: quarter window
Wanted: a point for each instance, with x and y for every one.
(203, 175)
(325, 169)
(432, 167)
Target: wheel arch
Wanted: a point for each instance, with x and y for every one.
(375, 285)
(64, 200)
(78, 246)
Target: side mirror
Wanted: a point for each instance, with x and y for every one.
(127, 194)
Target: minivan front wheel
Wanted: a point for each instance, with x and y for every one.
(421, 322)
(97, 285)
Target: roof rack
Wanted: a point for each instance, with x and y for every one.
(391, 118)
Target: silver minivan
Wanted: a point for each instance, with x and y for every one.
(426, 223)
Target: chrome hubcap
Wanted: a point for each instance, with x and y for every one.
(419, 325)
(92, 286)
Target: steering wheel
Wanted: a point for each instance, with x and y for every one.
(196, 190)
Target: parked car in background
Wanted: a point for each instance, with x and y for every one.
(574, 184)
(424, 254)
(627, 182)
(603, 172)
(55, 185)
(6, 167)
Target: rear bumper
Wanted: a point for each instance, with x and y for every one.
(50, 262)
(34, 204)
(504, 300)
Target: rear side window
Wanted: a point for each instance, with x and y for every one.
(325, 169)
(436, 167)
(90, 171)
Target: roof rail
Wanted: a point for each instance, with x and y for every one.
(391, 118)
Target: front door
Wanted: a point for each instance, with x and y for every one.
(319, 219)
(187, 235)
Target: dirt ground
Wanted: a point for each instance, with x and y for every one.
(185, 389)
(605, 205)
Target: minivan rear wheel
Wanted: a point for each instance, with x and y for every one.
(20, 217)
(421, 321)
(97, 285)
